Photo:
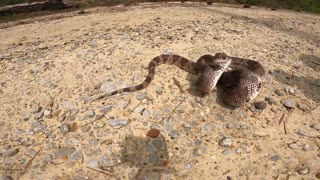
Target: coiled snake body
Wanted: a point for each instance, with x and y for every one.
(242, 78)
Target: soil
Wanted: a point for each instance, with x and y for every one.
(52, 66)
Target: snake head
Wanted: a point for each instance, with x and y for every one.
(220, 56)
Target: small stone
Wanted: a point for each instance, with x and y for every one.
(207, 127)
(306, 147)
(101, 124)
(303, 171)
(11, 152)
(238, 151)
(78, 76)
(181, 109)
(174, 134)
(146, 113)
(118, 122)
(64, 152)
(47, 113)
(159, 90)
(107, 87)
(275, 157)
(108, 66)
(76, 156)
(270, 100)
(105, 160)
(93, 163)
(260, 105)
(138, 109)
(302, 107)
(316, 126)
(220, 117)
(290, 90)
(279, 92)
(105, 109)
(229, 125)
(158, 144)
(64, 128)
(187, 125)
(153, 133)
(289, 103)
(69, 105)
(197, 152)
(189, 166)
(225, 142)
(140, 96)
(38, 115)
(90, 114)
(293, 146)
(26, 117)
(226, 152)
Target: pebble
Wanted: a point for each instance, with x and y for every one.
(290, 90)
(302, 107)
(226, 152)
(153, 133)
(90, 114)
(289, 103)
(64, 128)
(187, 125)
(279, 92)
(316, 126)
(260, 105)
(26, 117)
(107, 87)
(189, 166)
(93, 163)
(229, 125)
(47, 113)
(181, 109)
(220, 117)
(11, 152)
(238, 151)
(118, 122)
(38, 115)
(303, 171)
(225, 142)
(63, 152)
(76, 156)
(158, 144)
(275, 157)
(174, 134)
(207, 127)
(105, 160)
(141, 96)
(159, 90)
(293, 146)
(69, 105)
(138, 109)
(197, 152)
(105, 109)
(270, 100)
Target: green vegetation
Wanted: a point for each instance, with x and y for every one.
(298, 5)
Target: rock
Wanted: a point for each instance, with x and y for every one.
(275, 158)
(26, 117)
(69, 105)
(238, 151)
(76, 156)
(226, 152)
(38, 115)
(105, 160)
(153, 133)
(93, 163)
(181, 109)
(302, 107)
(290, 90)
(47, 113)
(229, 125)
(63, 152)
(220, 117)
(140, 96)
(158, 144)
(225, 142)
(187, 125)
(303, 171)
(260, 105)
(90, 114)
(174, 134)
(289, 103)
(316, 126)
(159, 90)
(189, 166)
(207, 127)
(279, 92)
(197, 152)
(64, 128)
(293, 146)
(11, 152)
(270, 100)
(105, 109)
(138, 109)
(118, 122)
(107, 87)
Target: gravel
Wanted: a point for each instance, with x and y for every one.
(289, 103)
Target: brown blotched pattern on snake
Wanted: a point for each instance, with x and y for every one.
(242, 77)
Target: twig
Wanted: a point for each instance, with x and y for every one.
(313, 108)
(179, 104)
(30, 161)
(282, 118)
(103, 172)
(284, 127)
(178, 84)
(98, 118)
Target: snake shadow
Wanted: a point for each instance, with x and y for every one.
(309, 86)
(148, 155)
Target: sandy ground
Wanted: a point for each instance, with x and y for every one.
(52, 66)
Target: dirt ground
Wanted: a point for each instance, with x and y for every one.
(52, 66)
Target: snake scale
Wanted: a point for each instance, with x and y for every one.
(242, 78)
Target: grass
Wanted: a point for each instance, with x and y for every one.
(298, 5)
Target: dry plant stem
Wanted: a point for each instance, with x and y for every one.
(178, 84)
(103, 172)
(98, 118)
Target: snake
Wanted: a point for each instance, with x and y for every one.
(241, 78)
